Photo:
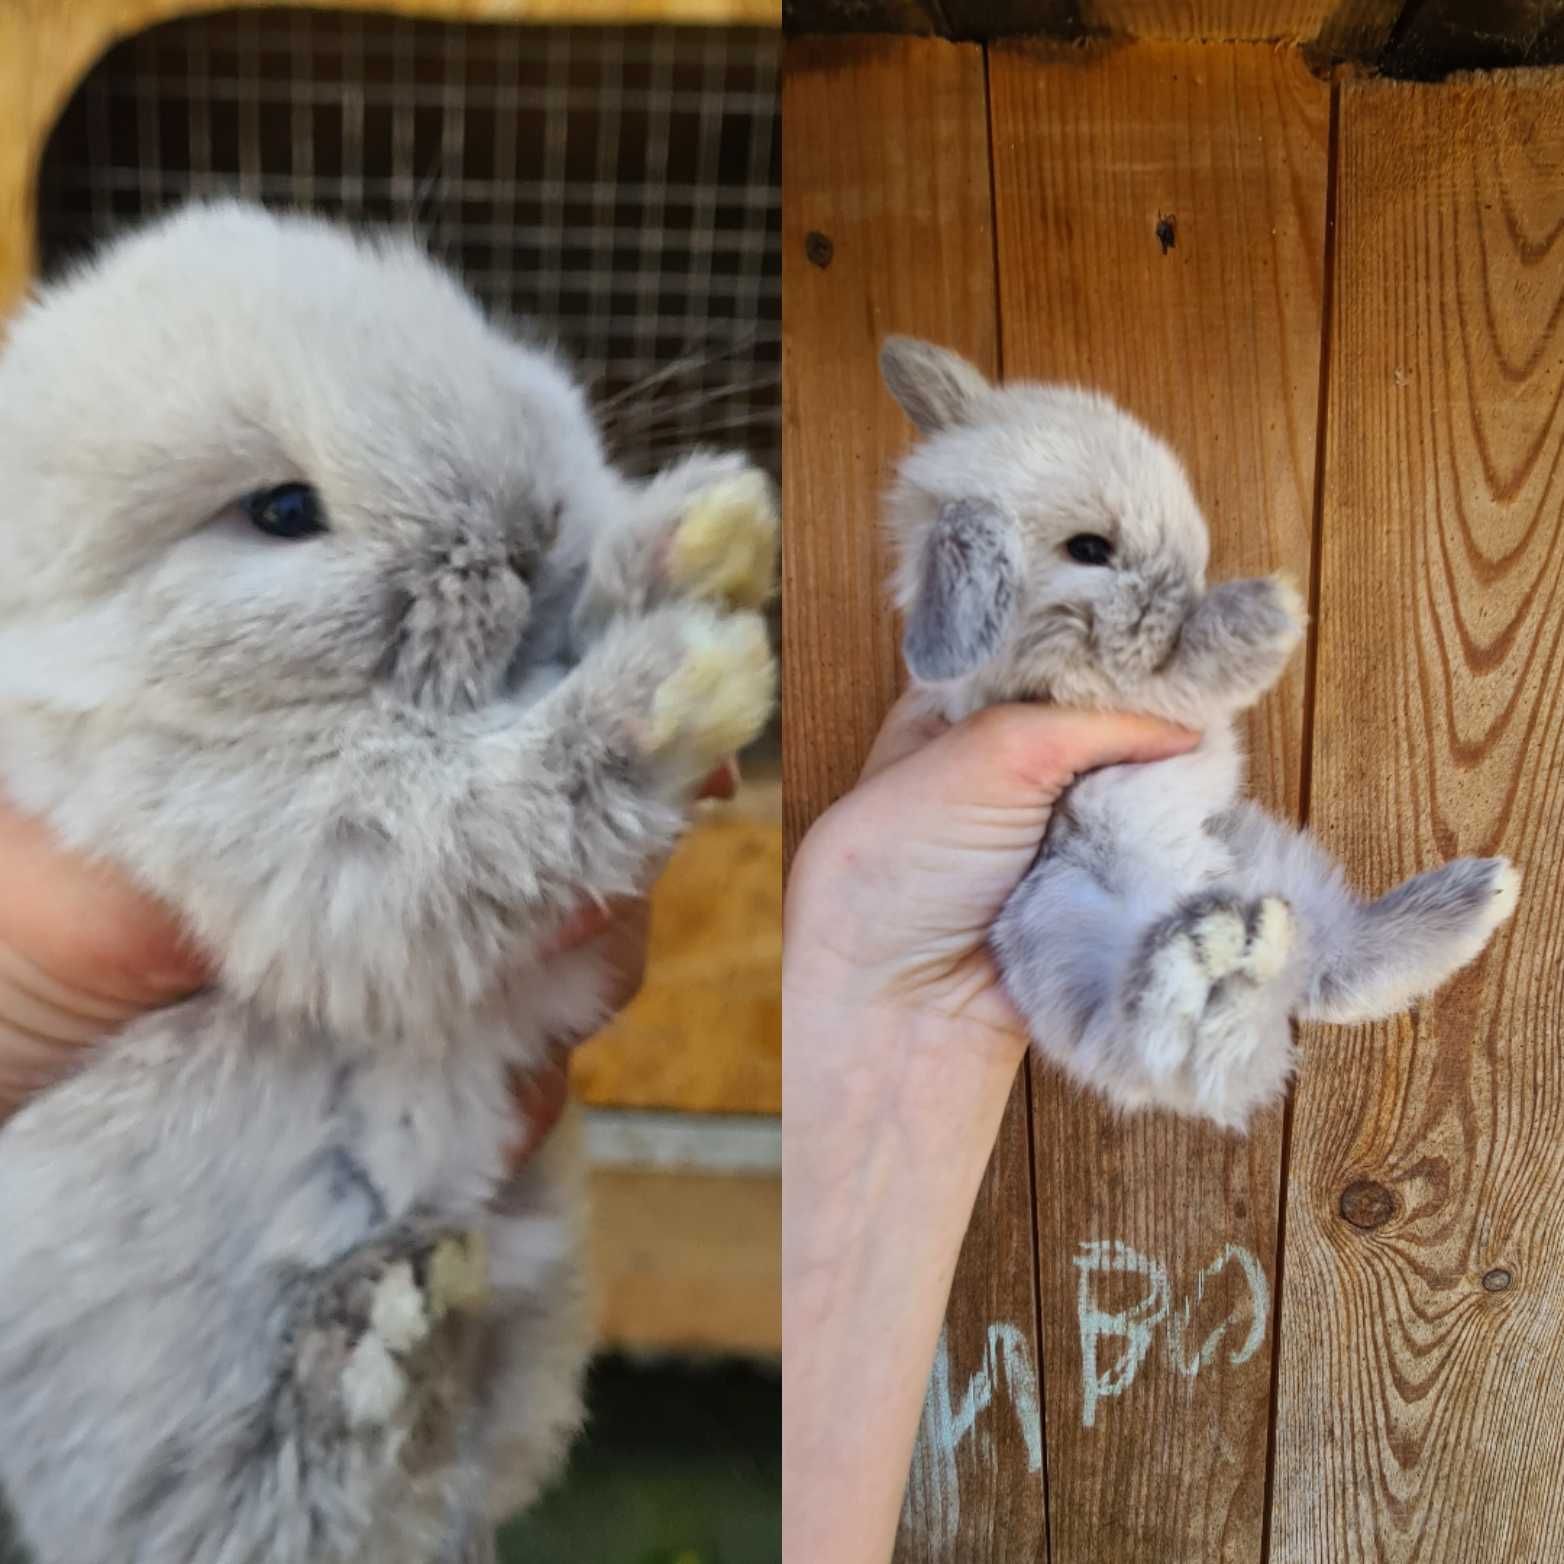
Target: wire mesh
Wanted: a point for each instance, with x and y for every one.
(617, 186)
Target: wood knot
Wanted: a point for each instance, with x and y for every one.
(1497, 1279)
(818, 248)
(1367, 1204)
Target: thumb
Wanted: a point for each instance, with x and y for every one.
(918, 859)
(1021, 758)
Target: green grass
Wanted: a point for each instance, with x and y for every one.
(680, 1464)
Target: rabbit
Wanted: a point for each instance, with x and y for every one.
(1047, 547)
(325, 617)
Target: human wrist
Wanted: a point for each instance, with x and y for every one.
(887, 1106)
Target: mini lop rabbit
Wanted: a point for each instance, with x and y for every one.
(1049, 548)
(324, 615)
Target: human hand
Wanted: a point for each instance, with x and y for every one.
(622, 928)
(894, 890)
(82, 952)
(899, 1050)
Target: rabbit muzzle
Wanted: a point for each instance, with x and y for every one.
(1136, 630)
(457, 628)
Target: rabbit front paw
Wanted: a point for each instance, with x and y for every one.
(718, 698)
(1263, 618)
(724, 549)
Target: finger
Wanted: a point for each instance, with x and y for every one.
(589, 922)
(539, 1097)
(1017, 755)
(624, 946)
(29, 1064)
(908, 727)
(86, 925)
(34, 1001)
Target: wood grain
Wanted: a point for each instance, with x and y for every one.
(1211, 20)
(887, 227)
(1215, 342)
(1420, 1414)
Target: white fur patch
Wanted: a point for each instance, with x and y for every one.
(1273, 940)
(1179, 984)
(372, 1385)
(1220, 938)
(397, 1314)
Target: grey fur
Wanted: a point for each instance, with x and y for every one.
(374, 771)
(1169, 930)
(968, 593)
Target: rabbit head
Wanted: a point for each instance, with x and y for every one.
(1050, 547)
(284, 516)
(255, 462)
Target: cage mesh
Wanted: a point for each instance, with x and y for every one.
(619, 186)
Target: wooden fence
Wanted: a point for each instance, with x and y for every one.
(1339, 1339)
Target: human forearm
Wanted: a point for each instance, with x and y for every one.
(889, 1132)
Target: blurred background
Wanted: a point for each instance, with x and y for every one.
(616, 186)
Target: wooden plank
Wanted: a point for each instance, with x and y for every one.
(1421, 1415)
(1330, 29)
(1211, 333)
(978, 1491)
(982, 19)
(1355, 30)
(686, 1262)
(1220, 21)
(887, 227)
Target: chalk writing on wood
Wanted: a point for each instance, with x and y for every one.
(1136, 1326)
(1007, 1370)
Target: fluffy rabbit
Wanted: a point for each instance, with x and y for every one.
(1049, 548)
(323, 614)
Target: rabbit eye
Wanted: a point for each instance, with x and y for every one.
(292, 510)
(1086, 548)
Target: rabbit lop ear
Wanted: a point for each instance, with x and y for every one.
(966, 592)
(936, 388)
